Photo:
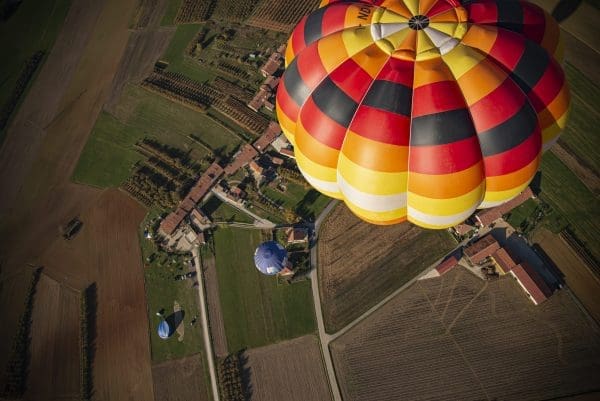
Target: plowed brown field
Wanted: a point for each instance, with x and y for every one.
(55, 350)
(361, 263)
(291, 370)
(180, 380)
(459, 338)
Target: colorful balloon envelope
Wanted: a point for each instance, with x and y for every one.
(422, 109)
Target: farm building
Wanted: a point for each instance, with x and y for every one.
(447, 265)
(463, 229)
(280, 142)
(288, 153)
(270, 258)
(272, 64)
(241, 158)
(481, 249)
(199, 220)
(270, 134)
(170, 223)
(535, 287)
(296, 235)
(504, 262)
(487, 216)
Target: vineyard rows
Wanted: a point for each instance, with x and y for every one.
(224, 86)
(179, 88)
(242, 115)
(281, 15)
(457, 337)
(192, 11)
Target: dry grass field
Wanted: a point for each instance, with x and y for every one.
(459, 338)
(280, 15)
(578, 276)
(360, 263)
(180, 380)
(291, 370)
(55, 351)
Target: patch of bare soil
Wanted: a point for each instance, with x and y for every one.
(55, 351)
(459, 338)
(588, 176)
(290, 370)
(361, 263)
(215, 315)
(180, 380)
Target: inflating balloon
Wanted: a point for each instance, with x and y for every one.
(422, 110)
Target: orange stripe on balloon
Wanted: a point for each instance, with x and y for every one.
(375, 155)
(445, 186)
(514, 179)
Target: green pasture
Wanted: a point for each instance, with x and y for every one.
(257, 310)
(170, 12)
(178, 61)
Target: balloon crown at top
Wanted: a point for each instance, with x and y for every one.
(417, 29)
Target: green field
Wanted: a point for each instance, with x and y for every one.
(34, 26)
(307, 202)
(221, 211)
(161, 291)
(109, 154)
(170, 12)
(580, 135)
(175, 55)
(567, 195)
(519, 214)
(256, 309)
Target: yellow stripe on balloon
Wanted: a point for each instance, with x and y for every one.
(447, 207)
(313, 169)
(551, 132)
(495, 198)
(462, 59)
(287, 125)
(371, 181)
(383, 218)
(436, 222)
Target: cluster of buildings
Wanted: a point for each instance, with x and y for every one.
(187, 209)
(493, 259)
(266, 92)
(485, 217)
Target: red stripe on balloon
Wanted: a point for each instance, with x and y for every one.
(437, 97)
(498, 106)
(352, 79)
(320, 126)
(445, 159)
(381, 126)
(515, 158)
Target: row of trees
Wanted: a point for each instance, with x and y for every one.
(87, 335)
(18, 363)
(232, 375)
(27, 72)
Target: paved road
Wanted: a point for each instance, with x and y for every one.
(259, 221)
(203, 315)
(323, 337)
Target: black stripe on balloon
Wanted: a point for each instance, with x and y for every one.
(389, 96)
(531, 66)
(313, 26)
(510, 15)
(510, 133)
(294, 85)
(441, 128)
(334, 102)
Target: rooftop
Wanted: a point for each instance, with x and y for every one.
(243, 157)
(487, 216)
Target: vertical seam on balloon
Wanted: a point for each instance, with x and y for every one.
(471, 117)
(383, 65)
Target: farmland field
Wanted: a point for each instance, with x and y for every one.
(459, 338)
(281, 15)
(257, 310)
(178, 61)
(54, 342)
(180, 380)
(572, 200)
(360, 263)
(109, 154)
(171, 12)
(162, 291)
(305, 201)
(580, 279)
(291, 370)
(33, 27)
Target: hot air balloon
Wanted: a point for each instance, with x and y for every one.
(422, 110)
(270, 258)
(164, 330)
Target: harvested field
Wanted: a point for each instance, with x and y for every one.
(580, 279)
(282, 15)
(360, 263)
(215, 314)
(145, 46)
(459, 338)
(54, 369)
(290, 370)
(180, 380)
(107, 252)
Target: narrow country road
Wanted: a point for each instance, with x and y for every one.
(325, 338)
(203, 315)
